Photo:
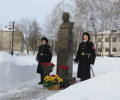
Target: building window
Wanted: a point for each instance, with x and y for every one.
(99, 39)
(106, 49)
(99, 49)
(114, 39)
(4, 40)
(114, 50)
(4, 45)
(106, 39)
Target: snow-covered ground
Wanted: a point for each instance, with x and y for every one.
(105, 86)
(18, 80)
(16, 70)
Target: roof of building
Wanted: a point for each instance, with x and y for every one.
(104, 32)
(118, 32)
(6, 29)
(108, 32)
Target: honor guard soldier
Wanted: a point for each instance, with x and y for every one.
(44, 55)
(85, 56)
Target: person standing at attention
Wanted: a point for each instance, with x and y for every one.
(85, 57)
(44, 55)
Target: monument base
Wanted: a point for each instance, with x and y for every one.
(67, 82)
(65, 50)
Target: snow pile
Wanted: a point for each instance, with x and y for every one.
(105, 86)
(15, 70)
(102, 65)
(105, 65)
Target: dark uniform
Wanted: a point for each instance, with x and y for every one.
(44, 55)
(85, 56)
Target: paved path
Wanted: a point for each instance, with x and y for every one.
(34, 93)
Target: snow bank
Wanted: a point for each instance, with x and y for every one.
(106, 64)
(105, 86)
(102, 65)
(15, 70)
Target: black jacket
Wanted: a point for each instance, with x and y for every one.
(85, 56)
(44, 55)
(88, 49)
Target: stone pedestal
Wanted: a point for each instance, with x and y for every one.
(65, 50)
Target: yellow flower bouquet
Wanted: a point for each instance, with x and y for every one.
(52, 80)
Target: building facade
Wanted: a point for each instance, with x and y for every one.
(105, 46)
(6, 40)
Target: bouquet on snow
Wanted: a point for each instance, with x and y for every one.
(52, 80)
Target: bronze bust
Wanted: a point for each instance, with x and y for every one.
(66, 23)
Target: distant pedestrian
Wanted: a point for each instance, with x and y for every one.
(85, 56)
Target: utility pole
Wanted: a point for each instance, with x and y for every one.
(12, 39)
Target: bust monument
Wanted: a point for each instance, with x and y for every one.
(66, 23)
(65, 44)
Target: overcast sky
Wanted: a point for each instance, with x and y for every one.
(17, 9)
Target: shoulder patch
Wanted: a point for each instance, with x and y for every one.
(93, 47)
(50, 49)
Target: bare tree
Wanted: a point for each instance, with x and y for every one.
(52, 24)
(88, 15)
(35, 36)
(29, 28)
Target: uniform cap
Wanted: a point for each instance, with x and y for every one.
(86, 33)
(44, 38)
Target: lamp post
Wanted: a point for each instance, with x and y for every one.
(12, 38)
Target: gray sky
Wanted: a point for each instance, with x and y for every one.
(17, 9)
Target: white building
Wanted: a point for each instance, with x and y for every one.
(103, 43)
(6, 40)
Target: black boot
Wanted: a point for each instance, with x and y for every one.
(42, 78)
(41, 82)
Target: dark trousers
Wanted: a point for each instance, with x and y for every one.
(42, 78)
